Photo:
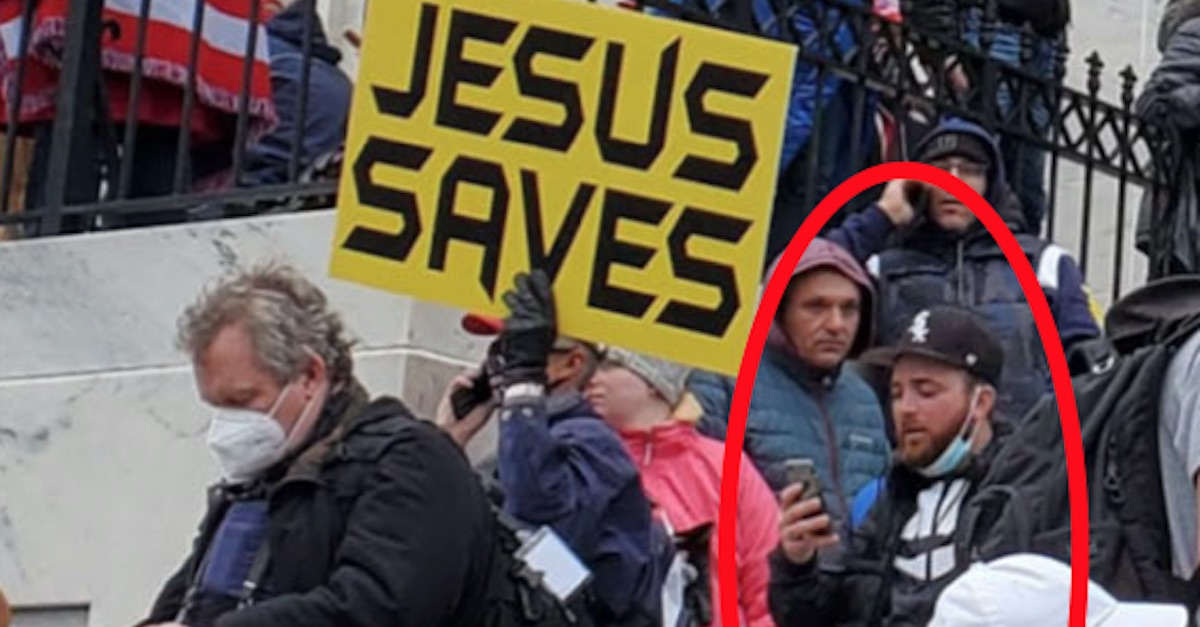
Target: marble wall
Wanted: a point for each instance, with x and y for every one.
(102, 453)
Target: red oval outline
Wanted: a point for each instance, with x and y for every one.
(1068, 413)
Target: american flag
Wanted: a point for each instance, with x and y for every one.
(224, 34)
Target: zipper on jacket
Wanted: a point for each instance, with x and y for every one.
(959, 273)
(835, 462)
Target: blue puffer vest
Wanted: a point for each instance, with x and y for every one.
(794, 416)
(934, 267)
(971, 273)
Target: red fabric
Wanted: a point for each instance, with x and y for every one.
(681, 473)
(167, 52)
(479, 324)
(888, 10)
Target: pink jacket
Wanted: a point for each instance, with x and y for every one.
(681, 474)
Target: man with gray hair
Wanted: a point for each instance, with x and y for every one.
(334, 510)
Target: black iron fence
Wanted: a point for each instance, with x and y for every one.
(1094, 160)
(126, 113)
(1101, 160)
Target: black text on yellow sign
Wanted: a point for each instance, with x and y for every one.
(633, 158)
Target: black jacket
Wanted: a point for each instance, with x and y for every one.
(380, 523)
(1169, 222)
(860, 585)
(1176, 14)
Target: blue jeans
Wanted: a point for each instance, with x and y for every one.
(1024, 164)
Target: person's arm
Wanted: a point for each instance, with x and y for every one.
(411, 541)
(800, 594)
(463, 428)
(1070, 303)
(804, 593)
(563, 477)
(758, 535)
(865, 233)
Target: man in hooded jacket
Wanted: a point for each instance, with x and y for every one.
(943, 255)
(806, 404)
(1170, 217)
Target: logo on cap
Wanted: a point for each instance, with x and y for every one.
(944, 142)
(920, 328)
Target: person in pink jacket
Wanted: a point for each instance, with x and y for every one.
(645, 400)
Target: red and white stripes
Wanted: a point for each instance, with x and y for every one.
(224, 33)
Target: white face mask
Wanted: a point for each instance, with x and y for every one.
(247, 442)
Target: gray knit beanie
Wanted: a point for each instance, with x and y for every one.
(668, 378)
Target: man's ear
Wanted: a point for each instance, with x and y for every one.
(580, 366)
(987, 401)
(316, 372)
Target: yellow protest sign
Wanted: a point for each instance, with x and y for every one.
(632, 157)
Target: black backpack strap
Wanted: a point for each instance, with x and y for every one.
(515, 593)
(997, 523)
(1131, 481)
(258, 568)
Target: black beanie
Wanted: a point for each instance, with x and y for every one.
(957, 145)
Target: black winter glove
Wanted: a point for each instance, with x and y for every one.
(529, 330)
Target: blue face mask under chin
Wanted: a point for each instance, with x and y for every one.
(958, 450)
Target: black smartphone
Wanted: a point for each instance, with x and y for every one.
(463, 400)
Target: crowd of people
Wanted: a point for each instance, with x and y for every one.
(867, 495)
(904, 460)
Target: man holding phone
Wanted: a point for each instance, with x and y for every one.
(559, 464)
(917, 538)
(924, 247)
